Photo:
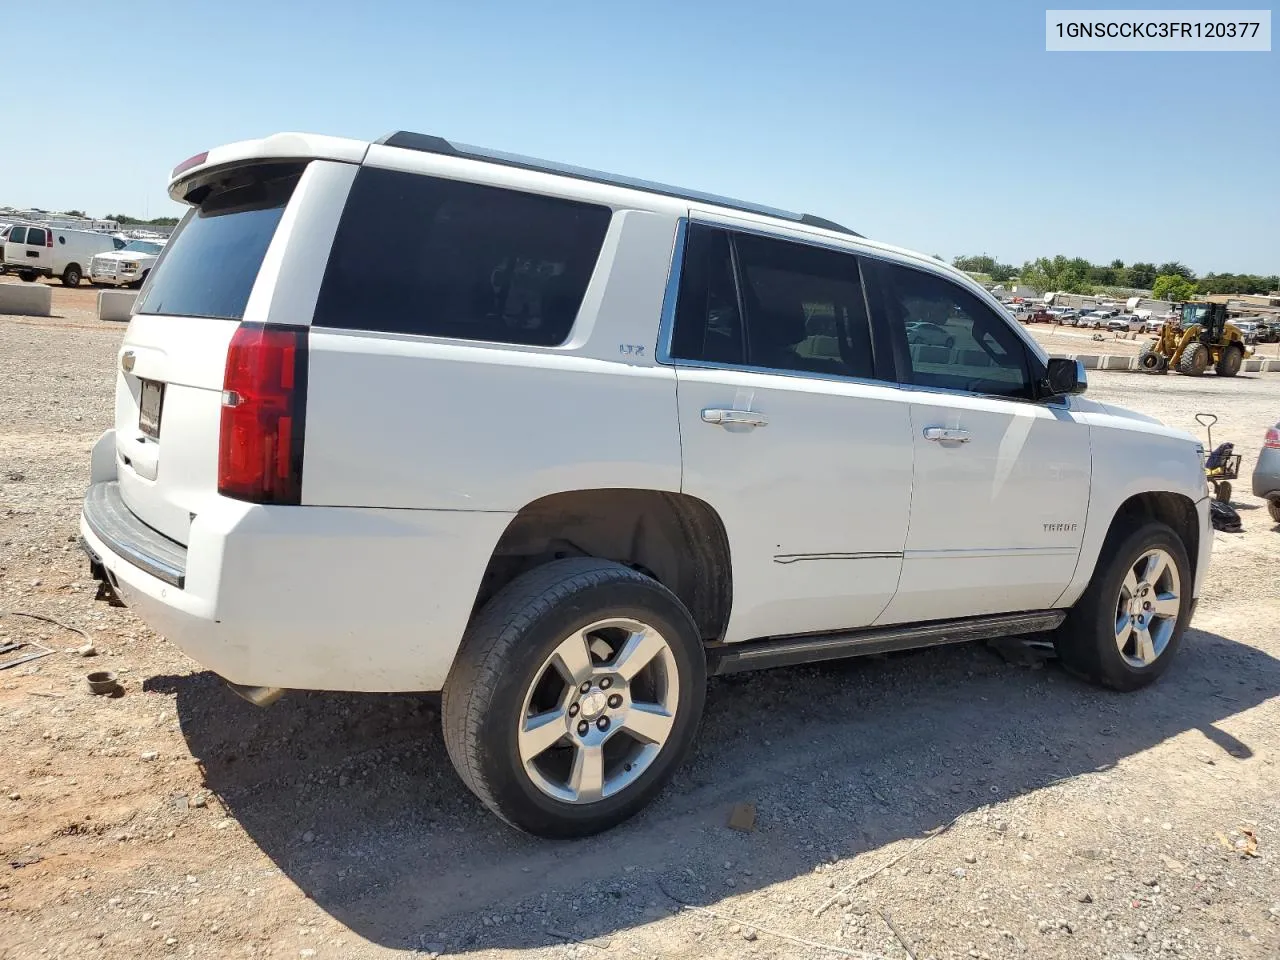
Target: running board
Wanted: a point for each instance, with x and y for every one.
(812, 647)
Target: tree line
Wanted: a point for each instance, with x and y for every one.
(1077, 275)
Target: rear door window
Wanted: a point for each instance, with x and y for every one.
(209, 267)
(422, 255)
(36, 236)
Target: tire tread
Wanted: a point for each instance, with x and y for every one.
(500, 626)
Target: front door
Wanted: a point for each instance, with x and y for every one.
(785, 430)
(1001, 482)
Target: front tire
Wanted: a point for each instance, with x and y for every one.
(1194, 360)
(71, 276)
(574, 697)
(1273, 508)
(1125, 629)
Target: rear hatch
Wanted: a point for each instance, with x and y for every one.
(169, 377)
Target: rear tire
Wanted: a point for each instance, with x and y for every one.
(27, 276)
(1102, 639)
(71, 276)
(1194, 360)
(521, 670)
(1273, 508)
(1229, 361)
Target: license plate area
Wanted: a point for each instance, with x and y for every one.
(150, 405)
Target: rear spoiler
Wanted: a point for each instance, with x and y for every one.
(280, 146)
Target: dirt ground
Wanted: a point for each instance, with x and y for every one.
(177, 821)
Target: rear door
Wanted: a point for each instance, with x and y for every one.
(228, 261)
(37, 253)
(786, 431)
(14, 242)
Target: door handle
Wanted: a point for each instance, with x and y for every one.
(946, 435)
(745, 418)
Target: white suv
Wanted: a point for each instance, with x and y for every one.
(412, 416)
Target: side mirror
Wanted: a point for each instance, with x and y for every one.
(1065, 377)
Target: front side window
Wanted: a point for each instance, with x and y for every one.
(953, 340)
(423, 255)
(17, 235)
(770, 303)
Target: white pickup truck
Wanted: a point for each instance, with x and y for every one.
(570, 442)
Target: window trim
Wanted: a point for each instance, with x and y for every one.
(885, 372)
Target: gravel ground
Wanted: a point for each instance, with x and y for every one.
(960, 802)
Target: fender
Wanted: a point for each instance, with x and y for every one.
(1132, 455)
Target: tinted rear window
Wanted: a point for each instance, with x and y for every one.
(210, 265)
(416, 254)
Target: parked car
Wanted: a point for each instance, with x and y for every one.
(929, 334)
(1266, 473)
(1155, 324)
(1125, 322)
(33, 251)
(128, 266)
(463, 465)
(1041, 315)
(1098, 318)
(1248, 329)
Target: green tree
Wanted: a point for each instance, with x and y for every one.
(1175, 269)
(1117, 264)
(1142, 275)
(76, 213)
(1174, 287)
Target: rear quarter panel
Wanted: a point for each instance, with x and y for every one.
(421, 422)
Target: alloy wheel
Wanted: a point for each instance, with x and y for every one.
(599, 711)
(1147, 608)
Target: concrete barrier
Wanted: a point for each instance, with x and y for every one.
(26, 299)
(1271, 366)
(115, 304)
(1116, 362)
(1090, 360)
(1252, 366)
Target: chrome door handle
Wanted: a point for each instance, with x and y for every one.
(745, 418)
(946, 435)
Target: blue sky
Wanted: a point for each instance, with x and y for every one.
(943, 128)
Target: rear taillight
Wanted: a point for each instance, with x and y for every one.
(48, 238)
(264, 398)
(188, 163)
(1273, 439)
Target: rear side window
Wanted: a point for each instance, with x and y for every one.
(803, 305)
(421, 255)
(209, 267)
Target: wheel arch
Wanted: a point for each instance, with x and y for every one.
(677, 539)
(1175, 510)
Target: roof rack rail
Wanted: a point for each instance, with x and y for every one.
(427, 143)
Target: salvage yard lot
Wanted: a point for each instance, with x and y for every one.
(176, 820)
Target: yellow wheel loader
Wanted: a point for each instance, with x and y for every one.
(1203, 339)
